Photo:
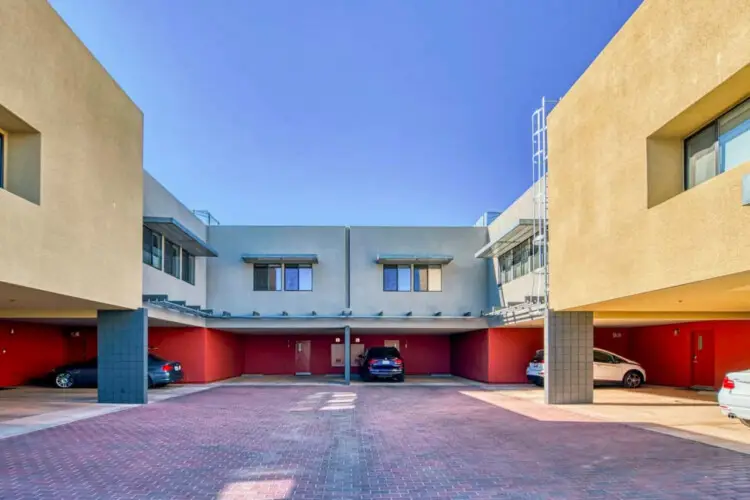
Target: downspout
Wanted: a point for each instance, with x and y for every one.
(347, 268)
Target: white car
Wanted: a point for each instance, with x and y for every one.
(734, 396)
(609, 368)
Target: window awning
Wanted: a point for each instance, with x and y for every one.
(179, 234)
(413, 259)
(516, 235)
(290, 258)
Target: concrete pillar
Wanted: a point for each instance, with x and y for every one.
(122, 338)
(347, 355)
(568, 357)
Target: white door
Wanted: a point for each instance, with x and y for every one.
(392, 343)
(605, 368)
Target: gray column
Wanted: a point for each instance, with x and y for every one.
(122, 339)
(347, 355)
(568, 357)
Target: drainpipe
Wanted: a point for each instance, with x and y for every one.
(347, 355)
(348, 268)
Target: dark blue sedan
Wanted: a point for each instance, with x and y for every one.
(84, 374)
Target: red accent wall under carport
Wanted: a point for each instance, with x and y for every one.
(510, 350)
(274, 354)
(206, 355)
(30, 351)
(469, 355)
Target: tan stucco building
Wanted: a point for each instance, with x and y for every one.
(647, 156)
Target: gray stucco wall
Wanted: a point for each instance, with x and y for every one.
(464, 280)
(159, 202)
(230, 280)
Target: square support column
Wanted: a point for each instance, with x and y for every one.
(122, 339)
(347, 355)
(568, 357)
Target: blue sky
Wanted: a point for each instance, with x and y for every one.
(343, 112)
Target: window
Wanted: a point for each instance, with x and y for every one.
(718, 147)
(3, 141)
(602, 357)
(151, 248)
(188, 267)
(171, 259)
(298, 277)
(428, 278)
(521, 260)
(397, 278)
(506, 267)
(267, 277)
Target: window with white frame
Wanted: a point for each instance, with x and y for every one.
(428, 278)
(718, 147)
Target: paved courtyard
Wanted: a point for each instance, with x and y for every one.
(359, 442)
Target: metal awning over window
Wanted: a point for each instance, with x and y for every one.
(179, 234)
(291, 258)
(516, 235)
(413, 259)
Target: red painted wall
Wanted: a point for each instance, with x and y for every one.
(510, 350)
(224, 356)
(29, 352)
(616, 340)
(274, 354)
(186, 345)
(731, 348)
(469, 355)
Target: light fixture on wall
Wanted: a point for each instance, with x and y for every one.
(356, 341)
(338, 339)
(676, 332)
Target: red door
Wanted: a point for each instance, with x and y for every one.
(703, 358)
(302, 357)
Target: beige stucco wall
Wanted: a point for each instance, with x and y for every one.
(73, 226)
(620, 223)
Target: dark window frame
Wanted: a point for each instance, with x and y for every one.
(396, 267)
(172, 262)
(148, 248)
(3, 157)
(297, 267)
(427, 267)
(187, 264)
(267, 268)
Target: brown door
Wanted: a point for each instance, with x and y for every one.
(302, 357)
(703, 358)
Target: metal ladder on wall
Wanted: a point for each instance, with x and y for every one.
(540, 262)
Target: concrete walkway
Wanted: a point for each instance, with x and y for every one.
(676, 412)
(29, 409)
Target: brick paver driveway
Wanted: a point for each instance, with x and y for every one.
(363, 442)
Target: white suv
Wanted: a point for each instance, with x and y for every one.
(609, 368)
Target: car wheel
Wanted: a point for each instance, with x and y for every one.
(632, 380)
(400, 378)
(64, 380)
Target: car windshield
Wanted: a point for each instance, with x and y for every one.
(383, 352)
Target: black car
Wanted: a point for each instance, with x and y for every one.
(381, 362)
(84, 374)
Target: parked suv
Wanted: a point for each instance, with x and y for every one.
(609, 368)
(381, 362)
